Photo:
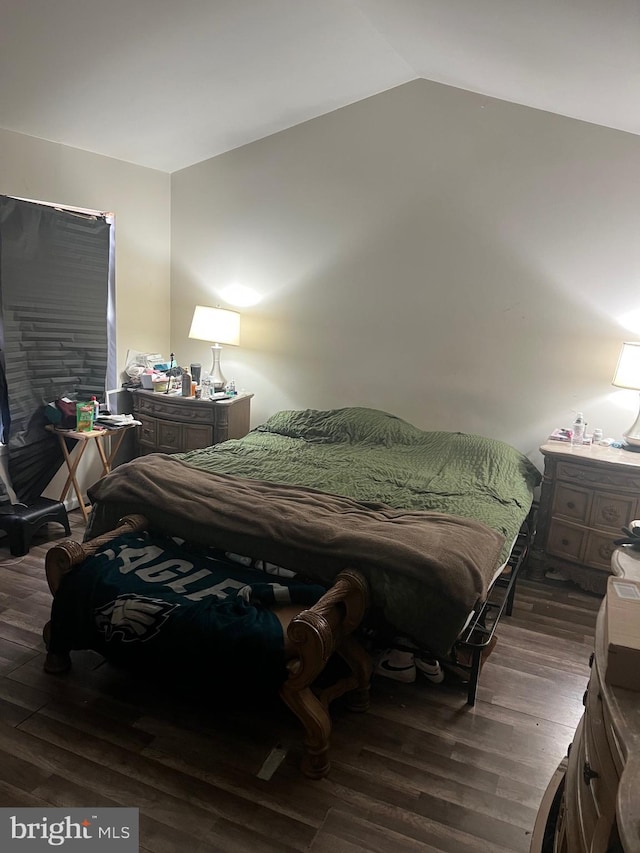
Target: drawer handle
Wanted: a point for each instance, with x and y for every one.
(565, 541)
(606, 550)
(611, 514)
(588, 774)
(571, 505)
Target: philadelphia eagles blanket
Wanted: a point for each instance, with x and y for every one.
(426, 570)
(155, 604)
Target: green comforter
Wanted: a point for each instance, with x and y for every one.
(374, 456)
(362, 455)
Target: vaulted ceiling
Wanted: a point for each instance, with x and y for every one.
(168, 83)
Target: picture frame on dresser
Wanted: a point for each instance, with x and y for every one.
(176, 424)
(588, 495)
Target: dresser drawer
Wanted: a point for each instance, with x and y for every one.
(604, 785)
(584, 803)
(566, 540)
(574, 839)
(599, 477)
(195, 437)
(615, 747)
(572, 503)
(144, 406)
(175, 409)
(147, 434)
(169, 437)
(598, 550)
(612, 512)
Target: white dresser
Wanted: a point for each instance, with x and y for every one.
(592, 804)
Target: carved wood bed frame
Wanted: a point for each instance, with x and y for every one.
(312, 636)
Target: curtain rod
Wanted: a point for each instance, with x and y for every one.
(85, 211)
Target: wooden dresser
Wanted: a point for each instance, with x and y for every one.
(173, 424)
(588, 495)
(592, 804)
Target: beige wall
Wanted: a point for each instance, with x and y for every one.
(453, 259)
(140, 198)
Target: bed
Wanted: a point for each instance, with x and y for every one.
(427, 517)
(422, 520)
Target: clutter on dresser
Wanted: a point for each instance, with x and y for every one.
(566, 435)
(151, 372)
(597, 437)
(576, 435)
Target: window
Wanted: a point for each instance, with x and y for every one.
(56, 326)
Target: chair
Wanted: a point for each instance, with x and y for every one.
(20, 522)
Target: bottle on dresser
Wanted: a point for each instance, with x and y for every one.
(577, 430)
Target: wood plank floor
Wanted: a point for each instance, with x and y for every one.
(421, 771)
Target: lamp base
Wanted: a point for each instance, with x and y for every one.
(631, 436)
(217, 377)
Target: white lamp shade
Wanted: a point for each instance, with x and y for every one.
(215, 324)
(627, 373)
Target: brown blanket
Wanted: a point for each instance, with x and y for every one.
(427, 570)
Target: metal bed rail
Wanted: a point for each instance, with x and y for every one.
(479, 633)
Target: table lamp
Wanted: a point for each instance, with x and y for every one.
(627, 375)
(220, 326)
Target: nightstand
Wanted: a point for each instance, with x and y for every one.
(588, 494)
(174, 424)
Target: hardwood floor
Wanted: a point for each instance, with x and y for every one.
(421, 771)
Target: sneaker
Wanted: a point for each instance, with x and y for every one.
(397, 664)
(431, 668)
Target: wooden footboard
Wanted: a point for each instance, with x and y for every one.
(66, 554)
(313, 636)
(61, 559)
(316, 634)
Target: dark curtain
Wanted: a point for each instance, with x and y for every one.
(54, 287)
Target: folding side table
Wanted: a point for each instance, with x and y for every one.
(106, 452)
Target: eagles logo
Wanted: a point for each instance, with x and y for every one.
(132, 618)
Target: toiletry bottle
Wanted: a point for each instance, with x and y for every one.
(186, 384)
(577, 434)
(96, 408)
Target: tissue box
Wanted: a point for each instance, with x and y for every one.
(622, 626)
